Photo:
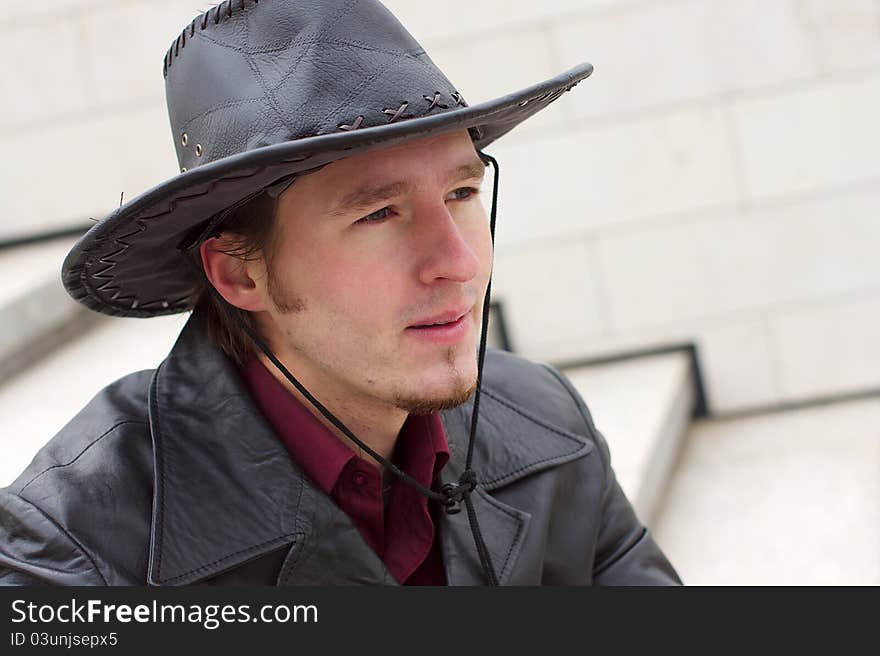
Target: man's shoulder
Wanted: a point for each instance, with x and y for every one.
(539, 420)
(85, 500)
(537, 389)
(115, 420)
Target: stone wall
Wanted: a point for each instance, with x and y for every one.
(715, 180)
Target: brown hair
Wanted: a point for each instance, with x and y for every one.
(250, 228)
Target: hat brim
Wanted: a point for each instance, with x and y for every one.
(128, 264)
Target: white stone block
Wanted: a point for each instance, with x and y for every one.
(735, 262)
(662, 53)
(88, 163)
(126, 43)
(43, 75)
(829, 348)
(654, 54)
(603, 343)
(781, 499)
(14, 13)
(813, 138)
(457, 18)
(735, 356)
(738, 363)
(846, 33)
(549, 297)
(758, 43)
(580, 180)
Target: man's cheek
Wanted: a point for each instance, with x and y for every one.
(366, 305)
(480, 241)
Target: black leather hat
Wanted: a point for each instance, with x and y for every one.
(258, 91)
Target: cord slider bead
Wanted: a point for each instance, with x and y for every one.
(455, 493)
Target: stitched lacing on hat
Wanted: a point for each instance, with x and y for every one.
(220, 12)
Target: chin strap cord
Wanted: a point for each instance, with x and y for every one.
(469, 475)
(451, 495)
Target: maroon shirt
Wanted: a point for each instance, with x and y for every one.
(403, 533)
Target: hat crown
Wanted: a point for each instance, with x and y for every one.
(254, 73)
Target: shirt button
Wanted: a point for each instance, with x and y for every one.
(359, 478)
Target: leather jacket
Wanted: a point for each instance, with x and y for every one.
(173, 476)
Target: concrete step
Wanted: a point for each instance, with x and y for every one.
(788, 498)
(36, 314)
(643, 407)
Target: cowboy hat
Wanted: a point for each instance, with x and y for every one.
(259, 91)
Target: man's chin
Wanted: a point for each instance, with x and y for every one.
(443, 384)
(426, 405)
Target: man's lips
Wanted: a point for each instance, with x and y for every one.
(444, 329)
(449, 316)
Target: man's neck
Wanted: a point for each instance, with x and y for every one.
(376, 425)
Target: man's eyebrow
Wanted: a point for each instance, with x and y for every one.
(476, 168)
(371, 195)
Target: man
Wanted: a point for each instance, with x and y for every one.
(330, 407)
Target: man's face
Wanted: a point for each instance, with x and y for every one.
(370, 253)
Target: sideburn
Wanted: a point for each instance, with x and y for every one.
(286, 301)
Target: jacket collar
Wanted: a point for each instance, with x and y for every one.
(226, 491)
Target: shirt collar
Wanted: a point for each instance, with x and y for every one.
(422, 448)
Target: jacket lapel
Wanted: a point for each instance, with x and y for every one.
(510, 444)
(335, 553)
(226, 491)
(503, 529)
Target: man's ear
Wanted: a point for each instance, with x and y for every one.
(231, 276)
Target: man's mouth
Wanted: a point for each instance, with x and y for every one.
(443, 319)
(445, 328)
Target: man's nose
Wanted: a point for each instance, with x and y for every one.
(444, 248)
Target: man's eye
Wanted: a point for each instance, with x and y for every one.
(464, 193)
(376, 216)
